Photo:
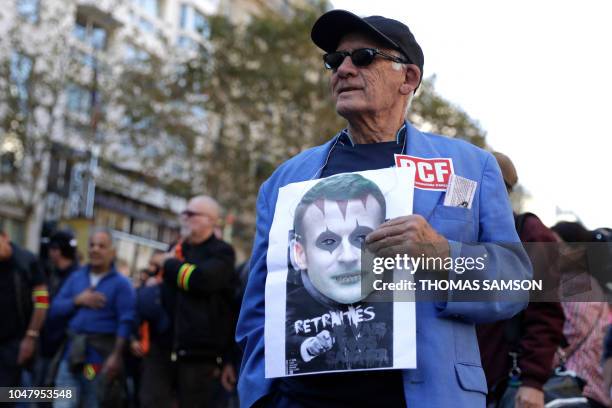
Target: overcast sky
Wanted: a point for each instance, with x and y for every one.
(537, 75)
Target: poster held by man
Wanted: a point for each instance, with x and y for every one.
(319, 313)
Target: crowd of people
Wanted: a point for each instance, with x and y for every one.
(167, 337)
(162, 339)
(168, 340)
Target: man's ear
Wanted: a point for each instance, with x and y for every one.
(299, 256)
(412, 77)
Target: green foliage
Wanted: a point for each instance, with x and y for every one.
(430, 112)
(268, 99)
(161, 119)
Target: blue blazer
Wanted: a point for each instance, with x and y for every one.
(449, 372)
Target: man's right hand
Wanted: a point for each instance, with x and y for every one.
(136, 349)
(91, 299)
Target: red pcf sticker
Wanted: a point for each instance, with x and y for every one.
(431, 174)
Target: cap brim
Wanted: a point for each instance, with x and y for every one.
(329, 29)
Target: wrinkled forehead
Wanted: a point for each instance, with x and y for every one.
(100, 238)
(355, 40)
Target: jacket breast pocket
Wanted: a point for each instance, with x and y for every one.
(455, 223)
(471, 377)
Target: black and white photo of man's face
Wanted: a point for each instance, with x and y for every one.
(330, 248)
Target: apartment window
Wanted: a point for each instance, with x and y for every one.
(184, 16)
(144, 229)
(7, 163)
(90, 32)
(136, 55)
(78, 99)
(200, 24)
(85, 58)
(194, 21)
(59, 176)
(151, 7)
(146, 26)
(28, 10)
(144, 23)
(21, 67)
(187, 43)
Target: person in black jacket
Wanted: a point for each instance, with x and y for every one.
(24, 301)
(63, 259)
(197, 294)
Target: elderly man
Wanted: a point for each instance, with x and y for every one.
(376, 65)
(197, 295)
(97, 303)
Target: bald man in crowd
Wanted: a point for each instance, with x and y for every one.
(196, 295)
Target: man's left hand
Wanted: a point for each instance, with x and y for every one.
(112, 366)
(26, 350)
(228, 377)
(529, 397)
(411, 235)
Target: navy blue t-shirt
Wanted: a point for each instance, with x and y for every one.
(382, 388)
(345, 158)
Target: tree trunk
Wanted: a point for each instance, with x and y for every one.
(35, 216)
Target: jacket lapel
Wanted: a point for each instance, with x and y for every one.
(419, 145)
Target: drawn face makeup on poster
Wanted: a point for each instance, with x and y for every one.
(330, 225)
(329, 249)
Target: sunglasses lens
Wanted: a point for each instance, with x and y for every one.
(333, 60)
(363, 57)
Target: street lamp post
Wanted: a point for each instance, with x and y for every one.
(95, 150)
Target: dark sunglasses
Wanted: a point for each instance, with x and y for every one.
(189, 213)
(361, 57)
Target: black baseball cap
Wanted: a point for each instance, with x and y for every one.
(65, 241)
(329, 29)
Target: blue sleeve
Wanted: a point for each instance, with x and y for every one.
(62, 305)
(125, 307)
(252, 384)
(500, 245)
